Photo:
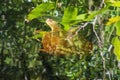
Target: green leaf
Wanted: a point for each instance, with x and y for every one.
(109, 1)
(39, 35)
(81, 17)
(70, 15)
(66, 27)
(32, 63)
(8, 60)
(40, 10)
(117, 25)
(116, 44)
(94, 13)
(116, 4)
(113, 3)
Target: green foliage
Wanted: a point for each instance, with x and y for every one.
(116, 4)
(117, 28)
(40, 34)
(41, 10)
(81, 17)
(94, 13)
(20, 58)
(116, 44)
(70, 15)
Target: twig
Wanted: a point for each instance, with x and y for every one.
(104, 66)
(102, 3)
(94, 23)
(98, 38)
(109, 75)
(83, 26)
(100, 45)
(100, 42)
(77, 30)
(110, 48)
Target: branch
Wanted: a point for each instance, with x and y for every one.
(102, 3)
(98, 38)
(83, 26)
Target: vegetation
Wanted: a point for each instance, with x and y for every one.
(59, 40)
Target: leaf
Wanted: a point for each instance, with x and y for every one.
(113, 20)
(32, 63)
(81, 16)
(116, 44)
(39, 34)
(116, 4)
(113, 3)
(8, 60)
(66, 27)
(118, 28)
(40, 10)
(94, 13)
(109, 1)
(70, 14)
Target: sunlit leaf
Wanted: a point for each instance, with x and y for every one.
(116, 4)
(39, 34)
(81, 16)
(116, 44)
(109, 1)
(113, 3)
(118, 28)
(40, 10)
(70, 14)
(113, 20)
(94, 13)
